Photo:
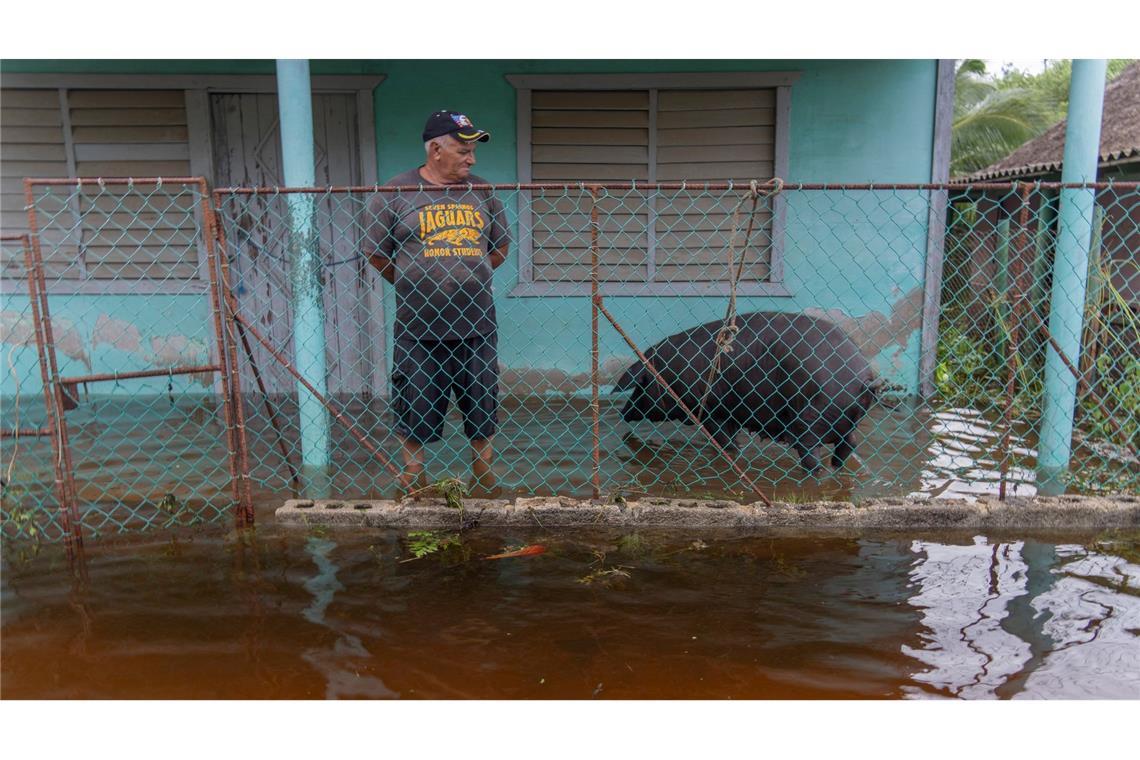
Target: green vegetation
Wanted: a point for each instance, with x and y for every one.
(971, 372)
(421, 543)
(1121, 396)
(26, 524)
(995, 114)
(453, 490)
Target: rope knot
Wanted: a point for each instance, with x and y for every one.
(726, 336)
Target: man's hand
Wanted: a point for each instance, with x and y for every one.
(497, 257)
(385, 266)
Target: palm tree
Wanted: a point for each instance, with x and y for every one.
(991, 122)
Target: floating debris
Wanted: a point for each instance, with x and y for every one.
(526, 551)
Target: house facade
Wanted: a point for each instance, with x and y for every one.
(869, 259)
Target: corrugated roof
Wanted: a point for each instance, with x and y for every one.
(1119, 135)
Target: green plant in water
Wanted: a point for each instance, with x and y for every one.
(25, 523)
(317, 531)
(170, 505)
(962, 374)
(421, 543)
(453, 491)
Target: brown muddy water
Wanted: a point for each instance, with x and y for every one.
(341, 613)
(198, 611)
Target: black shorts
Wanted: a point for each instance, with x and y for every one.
(426, 372)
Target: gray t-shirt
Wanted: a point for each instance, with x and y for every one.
(439, 241)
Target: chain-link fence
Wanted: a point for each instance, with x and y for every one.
(769, 340)
(794, 313)
(999, 295)
(129, 327)
(26, 432)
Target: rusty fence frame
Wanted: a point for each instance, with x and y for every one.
(239, 325)
(232, 328)
(57, 387)
(47, 430)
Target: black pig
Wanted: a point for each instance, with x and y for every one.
(792, 378)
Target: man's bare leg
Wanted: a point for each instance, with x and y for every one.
(482, 461)
(412, 478)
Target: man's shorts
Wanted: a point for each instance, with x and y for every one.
(426, 372)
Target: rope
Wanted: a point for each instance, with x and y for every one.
(729, 329)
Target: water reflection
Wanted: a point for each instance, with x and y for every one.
(1092, 614)
(340, 613)
(964, 455)
(340, 665)
(1021, 619)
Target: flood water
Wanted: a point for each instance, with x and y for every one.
(132, 453)
(341, 613)
(187, 608)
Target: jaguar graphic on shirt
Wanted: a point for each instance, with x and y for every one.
(451, 229)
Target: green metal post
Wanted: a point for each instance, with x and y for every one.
(1001, 285)
(295, 106)
(1070, 272)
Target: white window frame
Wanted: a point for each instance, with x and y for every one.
(524, 84)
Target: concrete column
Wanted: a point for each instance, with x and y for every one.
(1070, 272)
(295, 105)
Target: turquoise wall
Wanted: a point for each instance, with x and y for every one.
(851, 121)
(102, 334)
(855, 256)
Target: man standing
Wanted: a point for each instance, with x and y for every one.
(439, 247)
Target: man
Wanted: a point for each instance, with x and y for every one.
(439, 247)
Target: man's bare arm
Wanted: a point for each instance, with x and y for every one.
(498, 256)
(385, 266)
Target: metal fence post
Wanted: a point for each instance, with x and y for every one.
(1070, 273)
(595, 408)
(294, 99)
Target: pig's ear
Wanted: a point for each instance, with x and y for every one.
(631, 378)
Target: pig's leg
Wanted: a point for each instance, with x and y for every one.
(809, 458)
(843, 450)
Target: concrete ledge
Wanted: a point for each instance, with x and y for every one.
(1057, 512)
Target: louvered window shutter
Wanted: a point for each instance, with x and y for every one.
(599, 136)
(109, 133)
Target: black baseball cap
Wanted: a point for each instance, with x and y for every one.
(452, 123)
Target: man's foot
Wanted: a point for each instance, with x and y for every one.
(484, 487)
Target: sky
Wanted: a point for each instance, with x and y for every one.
(1028, 65)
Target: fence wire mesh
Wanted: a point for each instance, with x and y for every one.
(794, 323)
(30, 512)
(838, 370)
(998, 299)
(133, 351)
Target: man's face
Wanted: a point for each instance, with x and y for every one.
(454, 159)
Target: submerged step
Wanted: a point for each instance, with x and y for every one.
(546, 512)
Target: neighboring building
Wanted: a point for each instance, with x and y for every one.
(1119, 160)
(867, 259)
(1040, 158)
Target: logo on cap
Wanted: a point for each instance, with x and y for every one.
(461, 120)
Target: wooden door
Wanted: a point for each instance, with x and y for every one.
(247, 152)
